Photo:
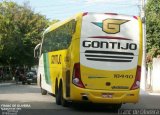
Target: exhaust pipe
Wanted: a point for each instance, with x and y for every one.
(84, 98)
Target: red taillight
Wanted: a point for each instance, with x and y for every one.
(136, 83)
(77, 76)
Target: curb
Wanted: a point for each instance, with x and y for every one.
(142, 92)
(155, 94)
(3, 84)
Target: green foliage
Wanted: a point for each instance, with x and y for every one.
(20, 30)
(153, 29)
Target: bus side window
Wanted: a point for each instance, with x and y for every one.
(60, 38)
(37, 51)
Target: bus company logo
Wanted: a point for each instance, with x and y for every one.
(110, 26)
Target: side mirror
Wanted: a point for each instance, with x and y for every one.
(37, 50)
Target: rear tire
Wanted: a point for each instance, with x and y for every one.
(43, 91)
(64, 102)
(58, 95)
(23, 83)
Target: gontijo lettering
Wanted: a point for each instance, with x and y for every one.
(56, 59)
(111, 45)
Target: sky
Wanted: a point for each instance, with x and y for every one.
(62, 9)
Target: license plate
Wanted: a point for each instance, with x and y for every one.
(29, 79)
(107, 95)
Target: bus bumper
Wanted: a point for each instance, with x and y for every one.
(104, 96)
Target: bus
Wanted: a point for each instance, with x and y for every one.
(92, 57)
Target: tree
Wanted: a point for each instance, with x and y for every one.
(20, 30)
(53, 22)
(153, 28)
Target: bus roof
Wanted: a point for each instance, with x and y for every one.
(60, 23)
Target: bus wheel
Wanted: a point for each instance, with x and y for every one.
(64, 102)
(58, 95)
(29, 82)
(43, 92)
(23, 83)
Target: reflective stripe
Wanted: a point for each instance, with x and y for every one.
(46, 68)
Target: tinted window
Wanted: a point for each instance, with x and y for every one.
(59, 38)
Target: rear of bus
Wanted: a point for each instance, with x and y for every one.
(109, 68)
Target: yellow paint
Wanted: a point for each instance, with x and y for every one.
(63, 60)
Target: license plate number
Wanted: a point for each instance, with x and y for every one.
(106, 95)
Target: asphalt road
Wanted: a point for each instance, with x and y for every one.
(27, 100)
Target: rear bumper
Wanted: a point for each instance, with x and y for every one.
(31, 80)
(95, 96)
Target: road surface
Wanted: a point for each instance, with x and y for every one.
(27, 100)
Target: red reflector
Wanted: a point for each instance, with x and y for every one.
(135, 17)
(85, 13)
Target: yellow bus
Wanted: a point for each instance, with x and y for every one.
(92, 57)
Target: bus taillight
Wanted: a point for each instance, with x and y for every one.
(77, 76)
(136, 83)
